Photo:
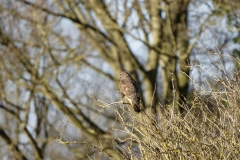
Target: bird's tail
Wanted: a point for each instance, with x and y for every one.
(136, 108)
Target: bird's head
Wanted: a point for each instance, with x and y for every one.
(124, 74)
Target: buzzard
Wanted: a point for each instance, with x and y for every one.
(129, 89)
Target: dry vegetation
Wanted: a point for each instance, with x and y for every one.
(209, 130)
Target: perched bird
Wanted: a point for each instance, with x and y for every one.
(129, 89)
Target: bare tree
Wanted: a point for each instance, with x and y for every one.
(55, 52)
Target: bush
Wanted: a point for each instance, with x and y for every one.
(210, 128)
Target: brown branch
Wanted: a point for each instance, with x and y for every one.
(14, 147)
(99, 70)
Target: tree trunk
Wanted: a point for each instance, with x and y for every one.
(175, 52)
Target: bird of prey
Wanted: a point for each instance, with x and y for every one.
(129, 89)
